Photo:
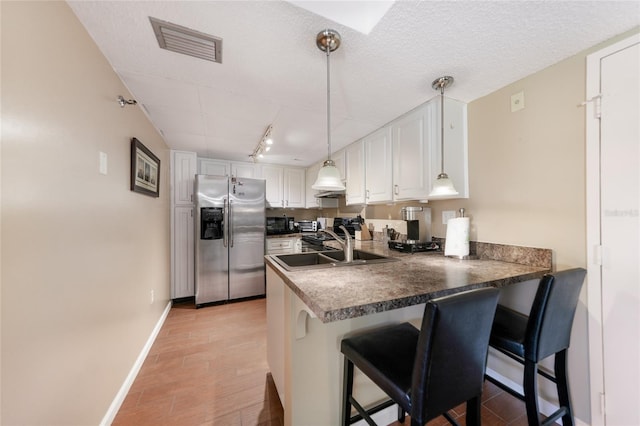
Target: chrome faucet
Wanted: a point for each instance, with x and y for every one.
(346, 243)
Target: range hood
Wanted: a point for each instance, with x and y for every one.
(330, 194)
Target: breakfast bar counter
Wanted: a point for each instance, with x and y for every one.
(309, 311)
(345, 292)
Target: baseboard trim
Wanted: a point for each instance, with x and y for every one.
(137, 365)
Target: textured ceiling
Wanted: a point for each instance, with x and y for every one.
(273, 73)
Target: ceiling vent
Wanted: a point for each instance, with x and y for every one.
(187, 41)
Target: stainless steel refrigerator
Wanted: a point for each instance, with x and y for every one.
(230, 233)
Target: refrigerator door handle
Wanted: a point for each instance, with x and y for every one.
(230, 227)
(225, 218)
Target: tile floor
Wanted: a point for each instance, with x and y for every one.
(208, 367)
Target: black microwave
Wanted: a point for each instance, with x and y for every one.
(277, 225)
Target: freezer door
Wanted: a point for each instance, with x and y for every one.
(246, 239)
(212, 256)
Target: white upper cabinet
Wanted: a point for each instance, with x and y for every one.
(207, 166)
(244, 170)
(285, 186)
(456, 160)
(378, 166)
(354, 157)
(339, 159)
(294, 187)
(183, 171)
(311, 201)
(274, 177)
(411, 161)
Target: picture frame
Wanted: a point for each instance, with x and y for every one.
(145, 170)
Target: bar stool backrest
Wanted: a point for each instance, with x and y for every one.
(552, 312)
(452, 352)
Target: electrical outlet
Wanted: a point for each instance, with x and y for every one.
(448, 214)
(153, 296)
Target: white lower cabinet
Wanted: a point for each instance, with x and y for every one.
(284, 245)
(183, 256)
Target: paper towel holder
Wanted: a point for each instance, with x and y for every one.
(465, 257)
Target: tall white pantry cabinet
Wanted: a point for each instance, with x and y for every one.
(183, 169)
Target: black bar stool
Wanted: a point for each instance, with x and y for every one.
(428, 371)
(545, 332)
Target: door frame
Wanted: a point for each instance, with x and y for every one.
(594, 277)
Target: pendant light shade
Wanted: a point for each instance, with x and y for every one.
(443, 186)
(328, 178)
(329, 175)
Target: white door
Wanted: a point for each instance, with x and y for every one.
(613, 220)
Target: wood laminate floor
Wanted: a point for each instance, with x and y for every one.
(208, 366)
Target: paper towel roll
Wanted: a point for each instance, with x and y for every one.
(457, 243)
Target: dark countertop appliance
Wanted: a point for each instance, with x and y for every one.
(279, 225)
(351, 223)
(418, 231)
(407, 246)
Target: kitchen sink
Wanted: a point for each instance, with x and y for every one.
(357, 255)
(327, 259)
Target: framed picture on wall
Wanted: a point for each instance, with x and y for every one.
(145, 170)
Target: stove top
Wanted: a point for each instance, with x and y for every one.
(318, 238)
(413, 246)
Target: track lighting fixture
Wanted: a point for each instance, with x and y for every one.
(263, 146)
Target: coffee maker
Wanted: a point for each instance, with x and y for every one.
(418, 231)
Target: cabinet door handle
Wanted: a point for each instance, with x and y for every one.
(367, 194)
(396, 189)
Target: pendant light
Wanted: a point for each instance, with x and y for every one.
(329, 175)
(443, 185)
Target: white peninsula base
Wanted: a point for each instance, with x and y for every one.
(305, 360)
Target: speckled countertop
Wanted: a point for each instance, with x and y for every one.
(340, 293)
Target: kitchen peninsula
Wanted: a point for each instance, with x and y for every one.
(310, 311)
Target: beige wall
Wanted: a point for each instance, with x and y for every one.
(527, 186)
(80, 251)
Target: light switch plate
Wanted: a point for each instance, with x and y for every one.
(103, 163)
(517, 101)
